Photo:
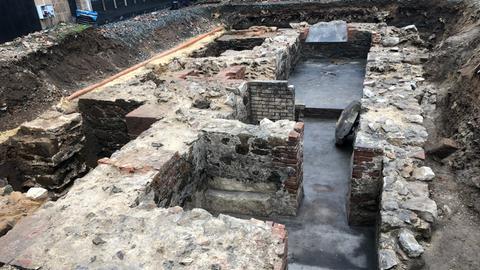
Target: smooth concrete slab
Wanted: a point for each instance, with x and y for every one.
(334, 31)
(328, 83)
(319, 237)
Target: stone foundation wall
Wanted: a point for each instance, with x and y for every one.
(228, 42)
(366, 184)
(45, 152)
(390, 139)
(254, 170)
(272, 60)
(288, 58)
(181, 178)
(273, 100)
(105, 125)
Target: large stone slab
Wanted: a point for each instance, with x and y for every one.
(334, 31)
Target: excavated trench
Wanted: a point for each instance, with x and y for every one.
(326, 78)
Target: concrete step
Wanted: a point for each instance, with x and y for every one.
(238, 202)
(229, 184)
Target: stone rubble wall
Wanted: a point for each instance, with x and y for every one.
(391, 128)
(227, 42)
(111, 216)
(274, 100)
(272, 60)
(287, 59)
(46, 151)
(258, 168)
(105, 125)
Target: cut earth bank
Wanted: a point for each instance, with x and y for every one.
(463, 214)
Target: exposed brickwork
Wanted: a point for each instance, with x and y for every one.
(274, 100)
(291, 156)
(280, 231)
(366, 183)
(173, 178)
(265, 161)
(232, 73)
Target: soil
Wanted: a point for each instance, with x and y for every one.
(13, 207)
(454, 244)
(456, 189)
(35, 81)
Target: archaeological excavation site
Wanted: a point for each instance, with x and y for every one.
(245, 135)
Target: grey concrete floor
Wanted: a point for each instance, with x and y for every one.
(328, 83)
(319, 237)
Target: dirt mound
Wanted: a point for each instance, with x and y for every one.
(33, 83)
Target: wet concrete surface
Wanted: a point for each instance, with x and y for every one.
(319, 237)
(328, 83)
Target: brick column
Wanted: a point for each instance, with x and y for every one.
(274, 100)
(291, 155)
(365, 185)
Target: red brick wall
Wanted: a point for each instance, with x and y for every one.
(365, 185)
(291, 155)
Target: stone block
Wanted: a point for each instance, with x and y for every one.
(142, 118)
(443, 148)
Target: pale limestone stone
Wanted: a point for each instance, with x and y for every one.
(37, 193)
(423, 174)
(409, 243)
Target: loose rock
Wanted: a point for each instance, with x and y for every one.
(37, 193)
(387, 258)
(409, 243)
(423, 174)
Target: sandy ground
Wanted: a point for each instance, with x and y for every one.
(13, 207)
(455, 240)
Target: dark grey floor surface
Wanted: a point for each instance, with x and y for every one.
(319, 236)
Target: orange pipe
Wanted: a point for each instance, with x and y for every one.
(139, 65)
